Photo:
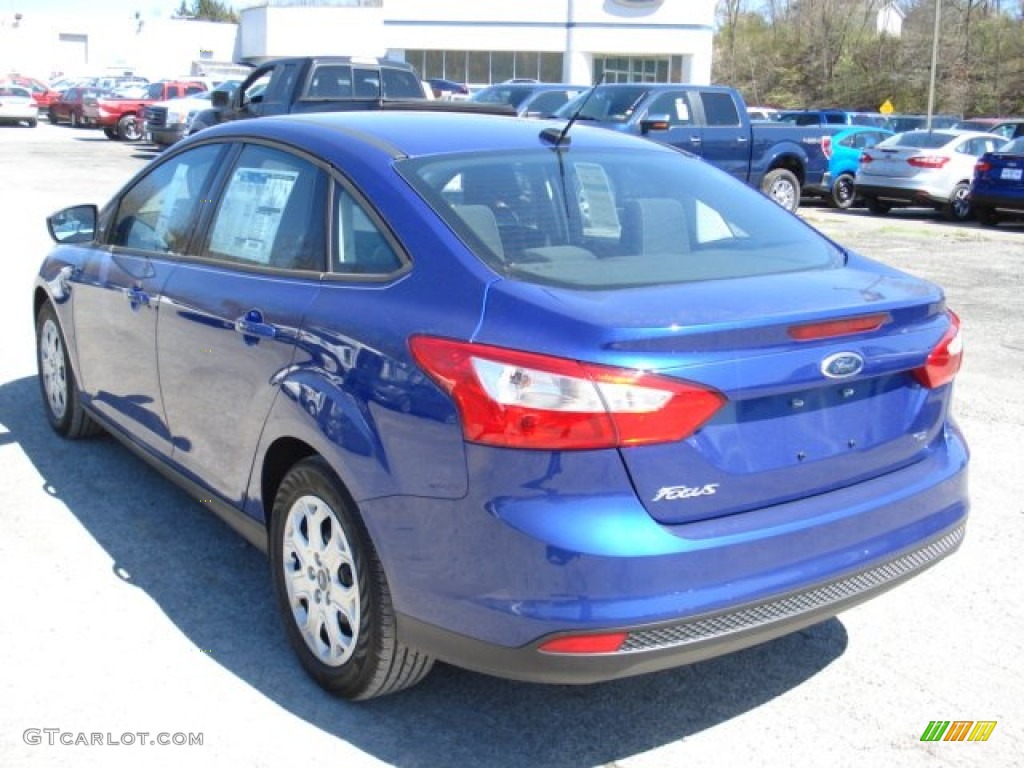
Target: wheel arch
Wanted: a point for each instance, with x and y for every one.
(283, 454)
(792, 163)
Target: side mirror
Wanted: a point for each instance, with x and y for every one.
(655, 123)
(220, 99)
(73, 225)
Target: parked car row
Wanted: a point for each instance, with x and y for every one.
(923, 168)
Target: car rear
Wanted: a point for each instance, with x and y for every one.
(681, 441)
(998, 183)
(920, 167)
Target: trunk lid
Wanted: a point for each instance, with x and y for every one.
(802, 417)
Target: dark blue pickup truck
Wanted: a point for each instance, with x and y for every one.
(711, 121)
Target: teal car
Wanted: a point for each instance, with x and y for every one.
(843, 152)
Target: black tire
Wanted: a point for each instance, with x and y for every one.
(111, 133)
(73, 120)
(33, 123)
(843, 194)
(129, 128)
(987, 217)
(52, 118)
(783, 187)
(876, 206)
(57, 384)
(959, 209)
(350, 646)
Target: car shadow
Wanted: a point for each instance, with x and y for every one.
(192, 565)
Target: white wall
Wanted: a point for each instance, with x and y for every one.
(268, 32)
(577, 28)
(151, 47)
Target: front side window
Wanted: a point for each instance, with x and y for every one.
(613, 219)
(159, 213)
(675, 104)
(271, 212)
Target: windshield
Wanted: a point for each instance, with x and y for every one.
(606, 219)
(612, 104)
(513, 95)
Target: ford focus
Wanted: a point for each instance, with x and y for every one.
(539, 400)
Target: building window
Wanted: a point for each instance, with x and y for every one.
(642, 69)
(485, 67)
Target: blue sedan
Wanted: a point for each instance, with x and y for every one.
(997, 189)
(540, 400)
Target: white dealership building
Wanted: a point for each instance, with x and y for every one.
(473, 42)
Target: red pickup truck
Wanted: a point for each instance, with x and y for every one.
(121, 118)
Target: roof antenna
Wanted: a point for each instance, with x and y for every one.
(558, 138)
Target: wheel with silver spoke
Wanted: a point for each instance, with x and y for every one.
(332, 591)
(57, 385)
(782, 186)
(959, 206)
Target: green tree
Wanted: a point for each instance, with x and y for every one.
(206, 10)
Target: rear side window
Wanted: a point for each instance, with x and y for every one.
(331, 81)
(719, 109)
(400, 84)
(271, 212)
(160, 212)
(360, 246)
(603, 219)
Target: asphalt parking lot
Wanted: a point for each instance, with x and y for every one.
(129, 610)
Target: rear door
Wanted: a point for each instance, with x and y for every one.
(230, 318)
(725, 137)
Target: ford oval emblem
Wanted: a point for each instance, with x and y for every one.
(842, 365)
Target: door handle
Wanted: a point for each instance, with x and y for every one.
(252, 327)
(136, 297)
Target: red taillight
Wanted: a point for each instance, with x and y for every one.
(606, 643)
(525, 400)
(944, 361)
(865, 158)
(826, 146)
(982, 166)
(829, 328)
(928, 161)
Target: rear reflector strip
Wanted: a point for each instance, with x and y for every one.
(832, 328)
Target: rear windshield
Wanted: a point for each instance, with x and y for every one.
(1015, 147)
(919, 139)
(611, 218)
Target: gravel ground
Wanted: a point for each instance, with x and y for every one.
(128, 609)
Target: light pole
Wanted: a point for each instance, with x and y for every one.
(935, 56)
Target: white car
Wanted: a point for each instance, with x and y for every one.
(168, 121)
(17, 105)
(926, 168)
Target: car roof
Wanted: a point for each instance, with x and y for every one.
(411, 133)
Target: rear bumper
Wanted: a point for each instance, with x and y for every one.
(482, 582)
(658, 647)
(1002, 202)
(910, 195)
